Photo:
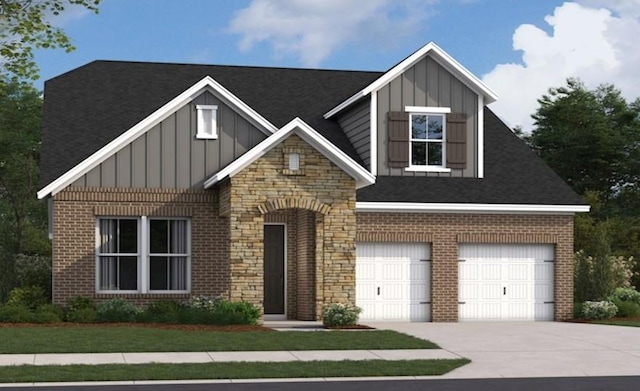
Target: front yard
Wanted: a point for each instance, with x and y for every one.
(25, 339)
(632, 322)
(132, 338)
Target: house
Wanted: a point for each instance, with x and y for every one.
(295, 188)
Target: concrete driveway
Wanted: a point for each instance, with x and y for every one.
(535, 349)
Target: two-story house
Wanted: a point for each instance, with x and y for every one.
(295, 188)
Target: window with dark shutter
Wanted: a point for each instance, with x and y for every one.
(398, 143)
(456, 140)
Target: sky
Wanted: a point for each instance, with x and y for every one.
(519, 48)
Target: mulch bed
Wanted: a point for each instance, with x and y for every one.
(183, 327)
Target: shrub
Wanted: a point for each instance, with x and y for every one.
(48, 313)
(626, 294)
(31, 297)
(598, 310)
(81, 310)
(336, 315)
(627, 309)
(203, 302)
(228, 312)
(16, 313)
(117, 310)
(82, 315)
(577, 310)
(161, 311)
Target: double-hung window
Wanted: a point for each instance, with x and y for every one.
(141, 255)
(427, 140)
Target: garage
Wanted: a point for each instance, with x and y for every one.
(393, 281)
(506, 282)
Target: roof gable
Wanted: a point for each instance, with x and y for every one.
(441, 57)
(206, 84)
(307, 133)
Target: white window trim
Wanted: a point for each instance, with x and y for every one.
(201, 126)
(294, 161)
(441, 111)
(143, 256)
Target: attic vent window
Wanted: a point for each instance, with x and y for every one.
(294, 161)
(207, 121)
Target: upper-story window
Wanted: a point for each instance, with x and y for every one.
(427, 140)
(207, 121)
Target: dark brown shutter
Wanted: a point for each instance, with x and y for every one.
(456, 140)
(398, 146)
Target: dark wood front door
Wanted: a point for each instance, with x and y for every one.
(274, 269)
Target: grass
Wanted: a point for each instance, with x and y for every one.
(253, 370)
(631, 322)
(127, 339)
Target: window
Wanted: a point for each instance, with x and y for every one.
(294, 161)
(207, 121)
(143, 255)
(168, 255)
(427, 139)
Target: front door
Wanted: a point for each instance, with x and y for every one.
(274, 289)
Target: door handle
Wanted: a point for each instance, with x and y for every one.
(378, 291)
(504, 290)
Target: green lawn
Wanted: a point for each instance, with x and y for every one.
(619, 322)
(126, 339)
(68, 373)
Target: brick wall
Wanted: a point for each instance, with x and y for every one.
(75, 213)
(446, 230)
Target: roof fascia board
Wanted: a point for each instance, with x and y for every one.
(408, 207)
(207, 83)
(307, 133)
(441, 57)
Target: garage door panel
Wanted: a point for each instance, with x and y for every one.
(403, 281)
(490, 271)
(516, 282)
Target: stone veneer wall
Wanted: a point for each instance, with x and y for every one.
(446, 231)
(75, 213)
(264, 187)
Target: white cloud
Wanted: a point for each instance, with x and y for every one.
(598, 45)
(313, 29)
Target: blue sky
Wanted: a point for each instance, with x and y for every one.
(370, 35)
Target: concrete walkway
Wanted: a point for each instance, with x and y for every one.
(209, 357)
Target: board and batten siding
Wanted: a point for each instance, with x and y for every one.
(427, 83)
(356, 124)
(169, 155)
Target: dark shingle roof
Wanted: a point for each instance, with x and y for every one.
(88, 107)
(513, 175)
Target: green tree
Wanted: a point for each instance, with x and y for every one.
(591, 138)
(22, 217)
(25, 25)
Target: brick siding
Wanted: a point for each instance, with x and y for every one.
(446, 230)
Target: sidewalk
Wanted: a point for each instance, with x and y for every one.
(209, 357)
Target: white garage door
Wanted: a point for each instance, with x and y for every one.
(393, 281)
(506, 282)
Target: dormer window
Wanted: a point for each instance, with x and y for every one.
(207, 121)
(427, 139)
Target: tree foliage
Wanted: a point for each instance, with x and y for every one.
(25, 25)
(22, 217)
(591, 138)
